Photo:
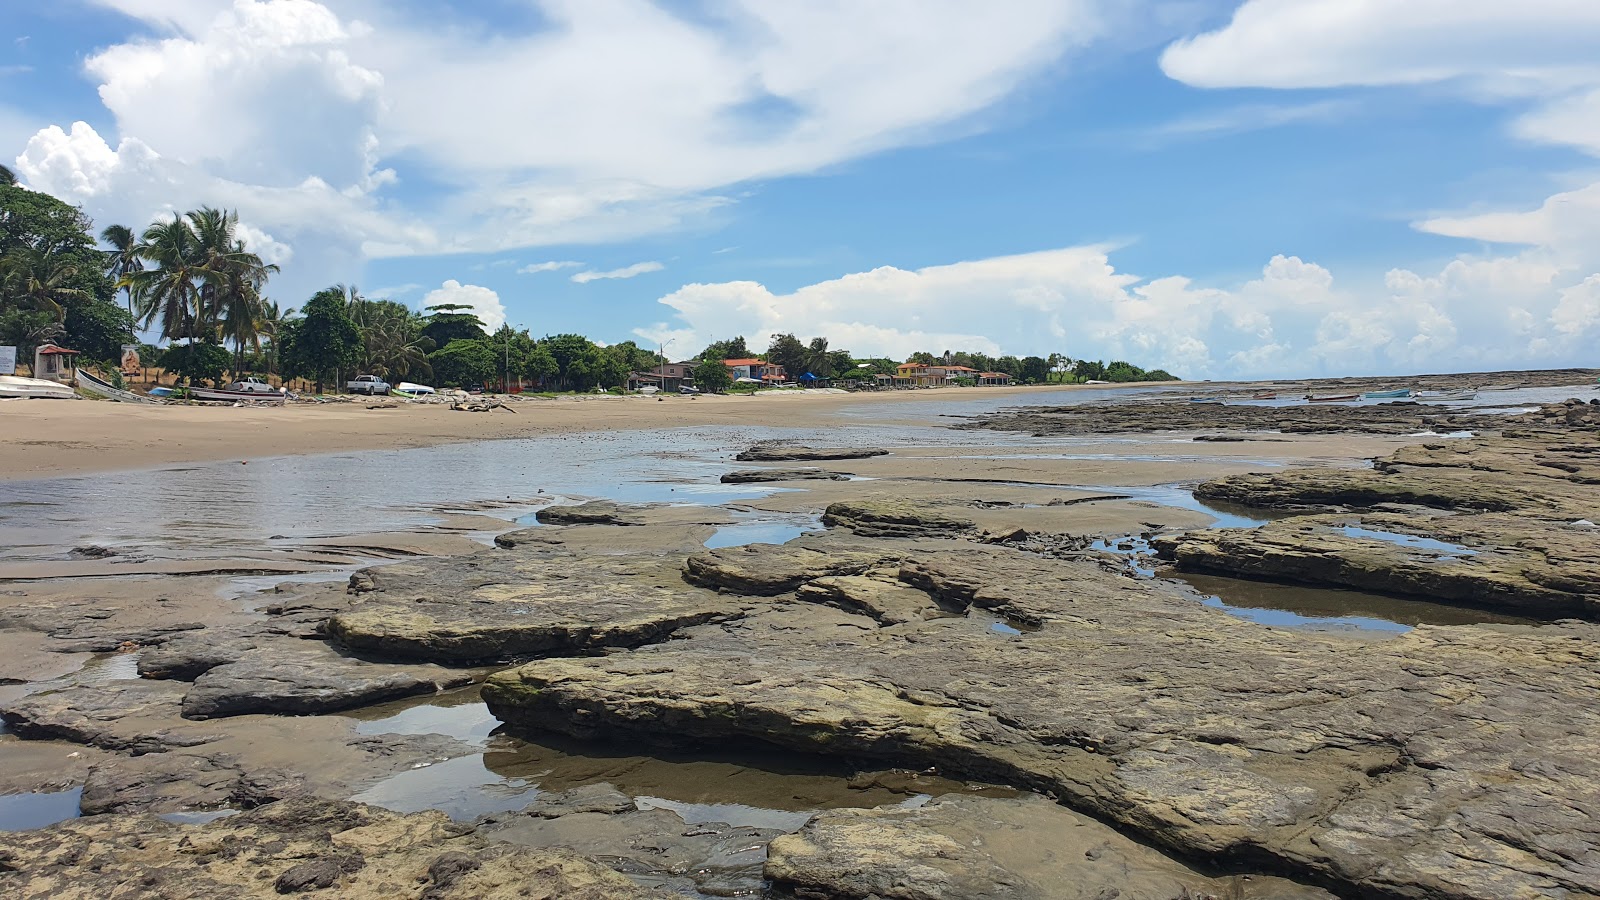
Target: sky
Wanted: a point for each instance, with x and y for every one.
(1265, 188)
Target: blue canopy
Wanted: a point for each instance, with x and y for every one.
(808, 377)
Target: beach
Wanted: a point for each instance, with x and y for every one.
(710, 644)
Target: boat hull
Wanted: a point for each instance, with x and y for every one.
(226, 396)
(15, 386)
(1333, 398)
(105, 389)
(1386, 395)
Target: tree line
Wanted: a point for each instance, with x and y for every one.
(192, 280)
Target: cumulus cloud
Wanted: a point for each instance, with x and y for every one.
(1294, 319)
(551, 266)
(639, 268)
(608, 121)
(484, 302)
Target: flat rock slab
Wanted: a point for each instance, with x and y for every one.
(766, 570)
(881, 596)
(298, 846)
(1459, 762)
(130, 716)
(508, 604)
(302, 678)
(756, 476)
(799, 453)
(1512, 563)
(182, 781)
(975, 848)
(895, 518)
(595, 512)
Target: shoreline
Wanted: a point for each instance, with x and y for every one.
(57, 439)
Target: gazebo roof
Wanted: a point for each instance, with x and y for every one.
(53, 350)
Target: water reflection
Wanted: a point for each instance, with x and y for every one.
(1299, 606)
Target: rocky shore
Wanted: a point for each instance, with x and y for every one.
(1022, 709)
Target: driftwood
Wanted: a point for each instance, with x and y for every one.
(481, 406)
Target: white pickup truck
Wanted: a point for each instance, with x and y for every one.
(368, 384)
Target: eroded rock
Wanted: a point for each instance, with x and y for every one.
(298, 846)
(776, 452)
(755, 476)
(306, 678)
(766, 570)
(498, 605)
(1447, 762)
(595, 512)
(895, 518)
(975, 848)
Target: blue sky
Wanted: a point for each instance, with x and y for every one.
(1256, 188)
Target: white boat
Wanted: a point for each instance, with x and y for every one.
(407, 389)
(35, 388)
(102, 388)
(1437, 396)
(248, 388)
(649, 389)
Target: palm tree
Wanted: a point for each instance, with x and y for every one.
(37, 279)
(232, 279)
(817, 359)
(274, 322)
(123, 257)
(170, 291)
(393, 345)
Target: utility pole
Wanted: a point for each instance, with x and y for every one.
(661, 373)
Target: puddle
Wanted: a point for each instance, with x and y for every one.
(1135, 551)
(762, 529)
(1330, 609)
(1409, 541)
(22, 812)
(755, 785)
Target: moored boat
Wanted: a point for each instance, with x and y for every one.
(1332, 398)
(1264, 395)
(247, 388)
(1436, 396)
(412, 391)
(16, 386)
(102, 388)
(1397, 394)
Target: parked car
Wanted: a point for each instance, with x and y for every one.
(368, 384)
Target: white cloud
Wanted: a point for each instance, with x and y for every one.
(1294, 319)
(484, 302)
(610, 121)
(632, 271)
(551, 266)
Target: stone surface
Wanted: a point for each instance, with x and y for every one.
(755, 476)
(322, 848)
(533, 600)
(180, 781)
(1519, 564)
(130, 716)
(975, 848)
(1449, 762)
(306, 677)
(765, 570)
(879, 595)
(776, 452)
(188, 657)
(595, 512)
(895, 518)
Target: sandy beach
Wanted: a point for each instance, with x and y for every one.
(40, 438)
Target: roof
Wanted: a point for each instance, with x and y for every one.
(53, 350)
(993, 375)
(744, 362)
(959, 368)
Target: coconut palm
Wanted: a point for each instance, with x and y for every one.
(274, 323)
(37, 280)
(231, 279)
(168, 291)
(123, 257)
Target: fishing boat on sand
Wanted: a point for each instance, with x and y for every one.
(248, 388)
(412, 391)
(1332, 398)
(102, 388)
(15, 386)
(1264, 395)
(1397, 394)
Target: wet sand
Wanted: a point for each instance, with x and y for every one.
(43, 438)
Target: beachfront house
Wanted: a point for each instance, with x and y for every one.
(999, 379)
(748, 370)
(668, 377)
(913, 374)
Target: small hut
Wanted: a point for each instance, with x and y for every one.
(52, 363)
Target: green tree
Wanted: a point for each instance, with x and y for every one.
(787, 351)
(1160, 375)
(711, 375)
(729, 349)
(1089, 370)
(123, 257)
(7, 177)
(170, 291)
(579, 364)
(231, 281)
(196, 361)
(462, 363)
(324, 341)
(98, 329)
(923, 358)
(540, 365)
(1122, 372)
(39, 280)
(818, 361)
(447, 322)
(393, 345)
(1034, 370)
